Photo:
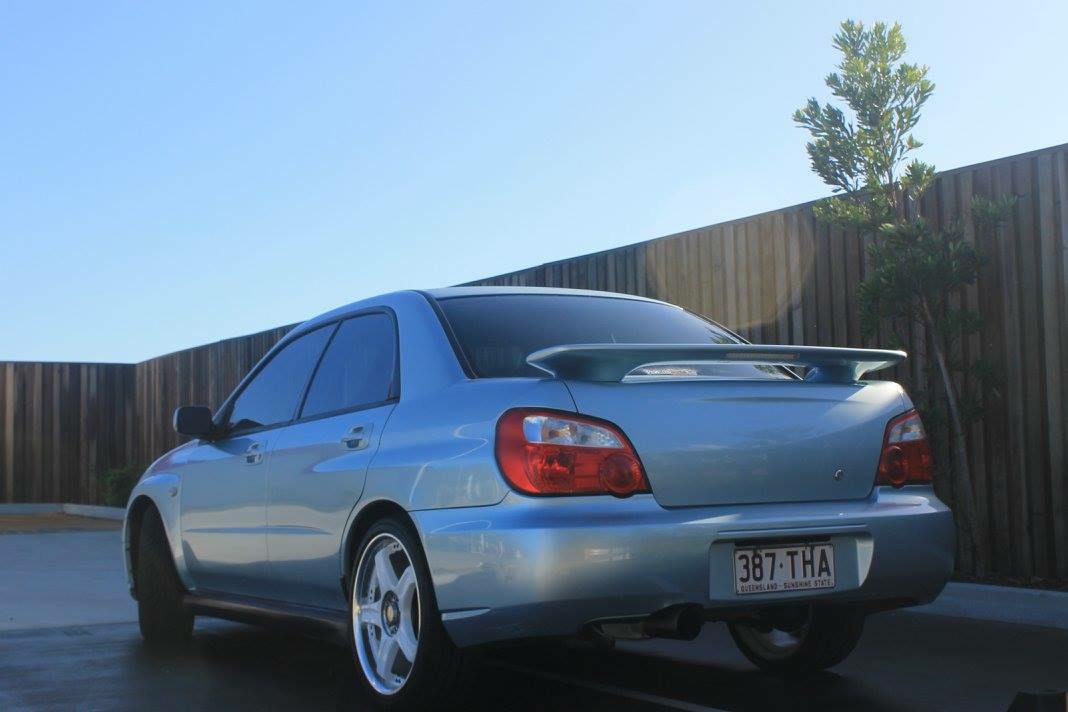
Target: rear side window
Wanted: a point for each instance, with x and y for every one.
(497, 332)
(273, 395)
(358, 369)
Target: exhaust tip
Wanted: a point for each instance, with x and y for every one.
(679, 622)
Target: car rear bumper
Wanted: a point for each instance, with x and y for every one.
(547, 566)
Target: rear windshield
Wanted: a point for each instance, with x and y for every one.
(497, 332)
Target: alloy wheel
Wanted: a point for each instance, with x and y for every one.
(386, 614)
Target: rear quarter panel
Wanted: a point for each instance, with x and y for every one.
(438, 451)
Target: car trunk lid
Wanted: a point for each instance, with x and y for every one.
(740, 441)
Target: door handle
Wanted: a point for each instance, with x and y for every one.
(253, 456)
(358, 437)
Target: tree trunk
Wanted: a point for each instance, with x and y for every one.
(973, 540)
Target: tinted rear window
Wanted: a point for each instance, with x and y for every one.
(497, 333)
(357, 369)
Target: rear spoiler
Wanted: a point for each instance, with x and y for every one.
(612, 362)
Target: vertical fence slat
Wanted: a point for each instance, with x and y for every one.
(1053, 315)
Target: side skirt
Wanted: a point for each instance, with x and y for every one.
(323, 623)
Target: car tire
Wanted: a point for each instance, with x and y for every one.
(823, 637)
(161, 613)
(387, 612)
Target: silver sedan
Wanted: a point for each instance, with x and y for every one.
(424, 474)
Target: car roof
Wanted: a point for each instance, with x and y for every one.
(447, 293)
(493, 290)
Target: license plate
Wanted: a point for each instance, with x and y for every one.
(780, 569)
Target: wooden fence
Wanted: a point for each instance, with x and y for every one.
(780, 277)
(63, 425)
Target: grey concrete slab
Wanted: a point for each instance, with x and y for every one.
(1030, 606)
(95, 510)
(63, 579)
(81, 510)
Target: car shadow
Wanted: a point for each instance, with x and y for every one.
(230, 665)
(715, 683)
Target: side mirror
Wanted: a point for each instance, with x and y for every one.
(194, 421)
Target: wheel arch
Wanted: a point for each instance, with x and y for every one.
(135, 514)
(364, 517)
(159, 491)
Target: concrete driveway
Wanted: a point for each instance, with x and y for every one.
(69, 574)
(68, 640)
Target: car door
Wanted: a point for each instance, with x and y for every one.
(224, 483)
(320, 461)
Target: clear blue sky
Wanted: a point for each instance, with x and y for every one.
(177, 173)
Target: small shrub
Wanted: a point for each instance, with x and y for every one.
(118, 483)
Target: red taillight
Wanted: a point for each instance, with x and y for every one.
(549, 452)
(906, 457)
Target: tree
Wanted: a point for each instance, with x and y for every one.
(863, 153)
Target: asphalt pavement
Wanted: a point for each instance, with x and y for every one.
(68, 640)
